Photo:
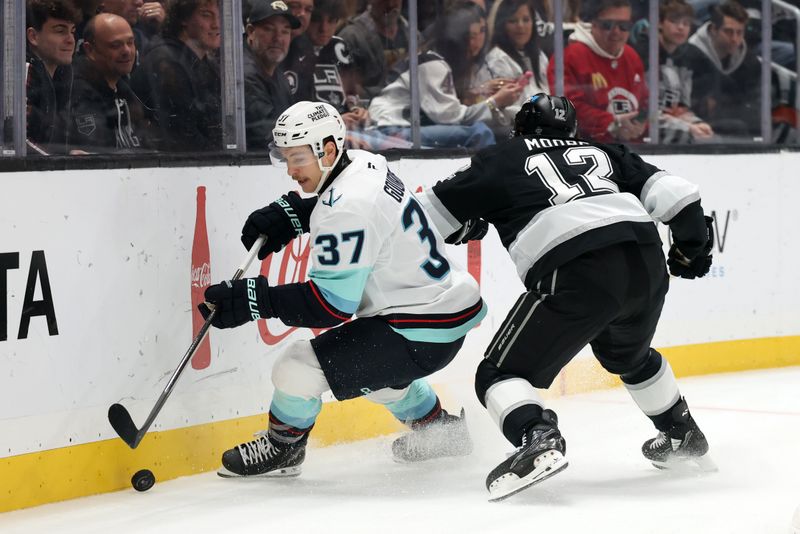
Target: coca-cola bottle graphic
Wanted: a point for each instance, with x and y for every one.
(201, 279)
(474, 260)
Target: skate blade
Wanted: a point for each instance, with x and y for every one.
(691, 464)
(509, 484)
(284, 472)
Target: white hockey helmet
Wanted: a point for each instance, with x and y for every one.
(309, 123)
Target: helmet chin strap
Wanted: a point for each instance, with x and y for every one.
(326, 171)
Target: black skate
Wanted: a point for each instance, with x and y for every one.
(447, 435)
(683, 446)
(540, 456)
(264, 457)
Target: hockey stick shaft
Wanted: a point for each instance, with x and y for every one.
(120, 418)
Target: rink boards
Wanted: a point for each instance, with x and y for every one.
(98, 270)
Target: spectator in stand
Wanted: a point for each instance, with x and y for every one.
(106, 114)
(179, 78)
(298, 67)
(266, 92)
(378, 40)
(604, 77)
(784, 28)
(128, 10)
(725, 74)
(88, 9)
(302, 9)
(151, 18)
(336, 81)
(50, 38)
(514, 54)
(677, 122)
(444, 77)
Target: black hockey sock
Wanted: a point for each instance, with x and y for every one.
(677, 414)
(521, 419)
(283, 433)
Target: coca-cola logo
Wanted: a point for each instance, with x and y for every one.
(201, 276)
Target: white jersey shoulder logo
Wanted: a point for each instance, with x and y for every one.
(330, 201)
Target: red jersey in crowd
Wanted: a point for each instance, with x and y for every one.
(601, 85)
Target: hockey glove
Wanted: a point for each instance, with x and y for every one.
(697, 267)
(237, 302)
(472, 230)
(281, 221)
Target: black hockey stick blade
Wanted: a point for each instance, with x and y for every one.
(121, 420)
(119, 417)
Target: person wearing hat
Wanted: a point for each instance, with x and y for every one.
(268, 32)
(301, 59)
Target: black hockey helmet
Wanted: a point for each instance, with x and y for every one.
(546, 115)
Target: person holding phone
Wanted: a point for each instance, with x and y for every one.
(514, 58)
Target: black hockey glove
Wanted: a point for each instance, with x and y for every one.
(472, 230)
(237, 302)
(281, 221)
(697, 267)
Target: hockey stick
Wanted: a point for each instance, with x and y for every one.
(118, 415)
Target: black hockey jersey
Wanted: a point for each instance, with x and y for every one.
(552, 200)
(332, 61)
(316, 73)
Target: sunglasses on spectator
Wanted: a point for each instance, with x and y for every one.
(608, 25)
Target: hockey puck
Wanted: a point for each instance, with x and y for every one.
(143, 480)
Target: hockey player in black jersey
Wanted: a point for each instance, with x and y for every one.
(577, 219)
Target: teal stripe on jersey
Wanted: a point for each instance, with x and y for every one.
(295, 411)
(343, 289)
(441, 335)
(418, 401)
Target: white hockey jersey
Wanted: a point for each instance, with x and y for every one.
(375, 253)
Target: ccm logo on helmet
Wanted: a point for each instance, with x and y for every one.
(320, 113)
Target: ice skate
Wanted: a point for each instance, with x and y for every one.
(540, 456)
(447, 435)
(264, 457)
(682, 447)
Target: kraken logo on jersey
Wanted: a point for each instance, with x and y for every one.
(331, 201)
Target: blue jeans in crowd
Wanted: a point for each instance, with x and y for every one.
(476, 135)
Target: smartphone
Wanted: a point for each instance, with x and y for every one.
(523, 80)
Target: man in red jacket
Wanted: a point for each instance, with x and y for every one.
(604, 77)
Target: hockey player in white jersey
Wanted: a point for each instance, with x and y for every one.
(374, 256)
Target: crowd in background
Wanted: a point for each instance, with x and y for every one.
(128, 75)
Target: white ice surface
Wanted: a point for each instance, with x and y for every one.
(752, 421)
